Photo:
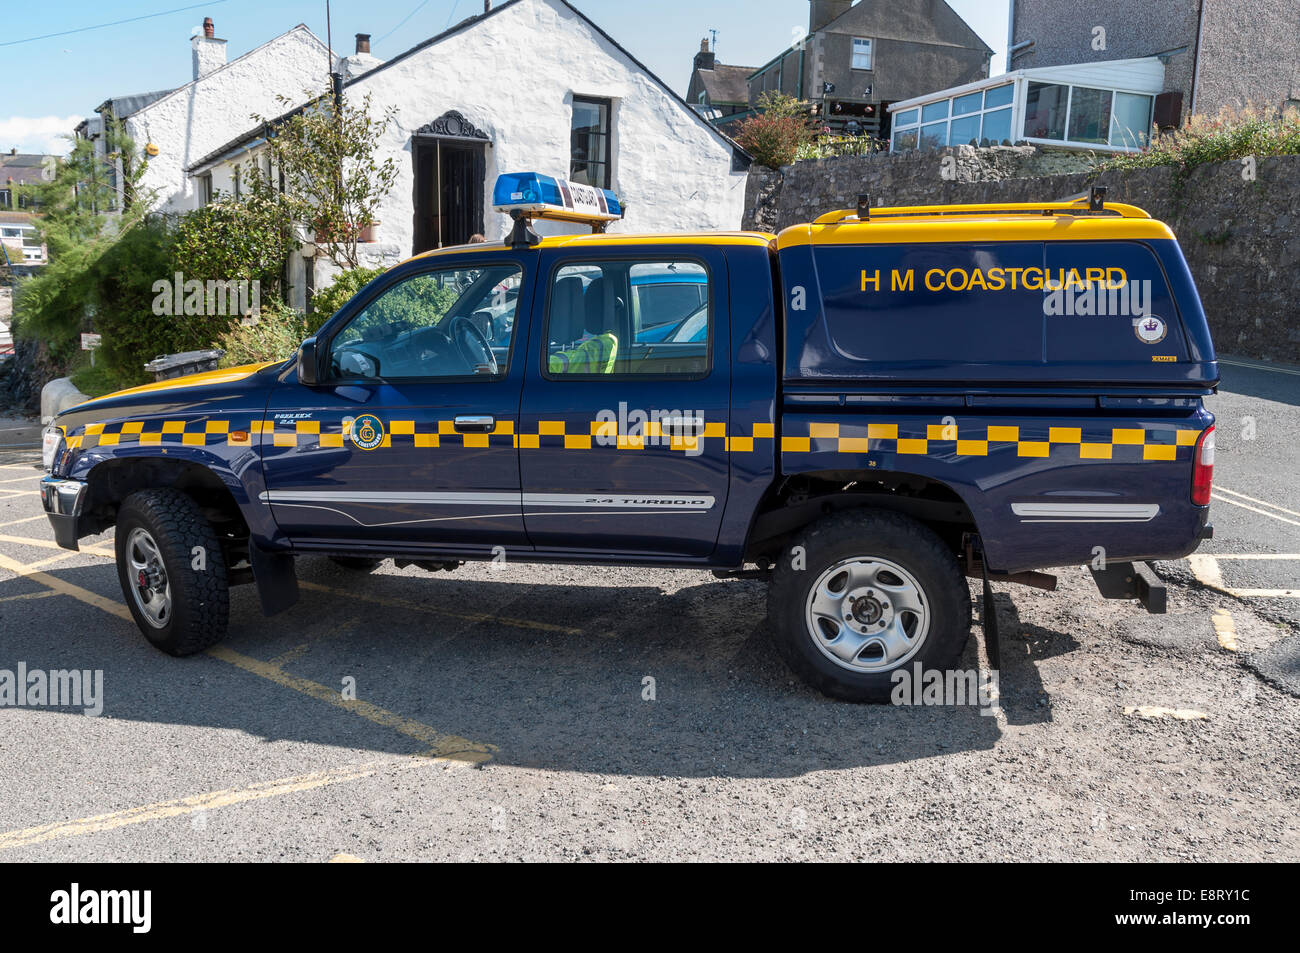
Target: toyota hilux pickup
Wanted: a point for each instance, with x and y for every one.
(864, 410)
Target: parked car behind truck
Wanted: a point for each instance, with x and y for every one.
(873, 406)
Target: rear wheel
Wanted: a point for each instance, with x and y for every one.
(859, 595)
(172, 571)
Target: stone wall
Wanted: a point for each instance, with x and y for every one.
(1241, 236)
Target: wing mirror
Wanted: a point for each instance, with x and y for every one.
(308, 365)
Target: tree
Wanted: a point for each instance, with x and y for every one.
(326, 152)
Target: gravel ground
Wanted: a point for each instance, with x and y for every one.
(1120, 735)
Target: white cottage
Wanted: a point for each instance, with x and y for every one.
(527, 85)
(174, 128)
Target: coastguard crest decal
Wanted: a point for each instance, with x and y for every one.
(366, 431)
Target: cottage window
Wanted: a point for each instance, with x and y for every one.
(590, 146)
(861, 53)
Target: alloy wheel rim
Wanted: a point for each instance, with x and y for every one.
(149, 583)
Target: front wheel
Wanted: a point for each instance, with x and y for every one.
(172, 571)
(859, 595)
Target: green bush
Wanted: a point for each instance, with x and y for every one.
(326, 302)
(1230, 135)
(274, 337)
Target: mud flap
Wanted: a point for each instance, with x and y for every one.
(989, 622)
(277, 581)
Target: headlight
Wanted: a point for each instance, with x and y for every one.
(51, 446)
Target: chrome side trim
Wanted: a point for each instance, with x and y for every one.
(1086, 512)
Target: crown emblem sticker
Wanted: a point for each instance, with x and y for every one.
(1150, 329)
(366, 431)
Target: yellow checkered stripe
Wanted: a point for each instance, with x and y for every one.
(949, 440)
(188, 433)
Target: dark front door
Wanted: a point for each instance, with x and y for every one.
(449, 192)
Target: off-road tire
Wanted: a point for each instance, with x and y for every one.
(200, 598)
(867, 533)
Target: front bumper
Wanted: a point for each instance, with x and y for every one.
(63, 500)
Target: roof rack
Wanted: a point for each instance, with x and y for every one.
(1092, 203)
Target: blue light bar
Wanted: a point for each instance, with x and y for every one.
(542, 196)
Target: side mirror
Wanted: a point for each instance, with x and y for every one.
(308, 366)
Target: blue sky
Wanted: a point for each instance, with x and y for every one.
(55, 82)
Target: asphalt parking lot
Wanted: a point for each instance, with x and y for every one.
(505, 713)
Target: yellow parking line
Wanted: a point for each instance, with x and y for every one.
(14, 494)
(1225, 630)
(26, 519)
(43, 594)
(65, 588)
(1206, 570)
(345, 859)
(190, 805)
(21, 466)
(50, 544)
(441, 746)
(31, 479)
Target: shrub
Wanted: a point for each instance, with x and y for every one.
(775, 136)
(326, 302)
(274, 337)
(1230, 135)
(245, 239)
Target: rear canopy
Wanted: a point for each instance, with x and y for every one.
(996, 294)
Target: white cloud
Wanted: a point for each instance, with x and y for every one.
(42, 134)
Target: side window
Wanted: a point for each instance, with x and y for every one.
(629, 319)
(448, 323)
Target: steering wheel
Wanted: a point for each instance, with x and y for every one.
(472, 344)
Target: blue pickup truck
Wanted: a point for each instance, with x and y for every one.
(864, 410)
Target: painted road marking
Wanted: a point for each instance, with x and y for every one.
(1207, 572)
(1252, 509)
(1152, 712)
(27, 479)
(345, 859)
(27, 519)
(440, 746)
(198, 802)
(43, 594)
(1225, 630)
(1243, 496)
(96, 550)
(1261, 367)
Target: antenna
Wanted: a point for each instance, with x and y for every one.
(714, 34)
(329, 43)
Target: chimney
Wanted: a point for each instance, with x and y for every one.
(13, 151)
(705, 59)
(824, 11)
(359, 62)
(209, 52)
(487, 6)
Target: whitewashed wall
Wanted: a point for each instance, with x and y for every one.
(200, 117)
(514, 76)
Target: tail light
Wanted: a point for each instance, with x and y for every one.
(1203, 468)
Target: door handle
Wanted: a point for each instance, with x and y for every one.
(476, 423)
(681, 426)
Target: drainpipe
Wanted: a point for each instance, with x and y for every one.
(1196, 59)
(1011, 34)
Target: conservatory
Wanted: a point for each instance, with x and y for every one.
(1106, 107)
